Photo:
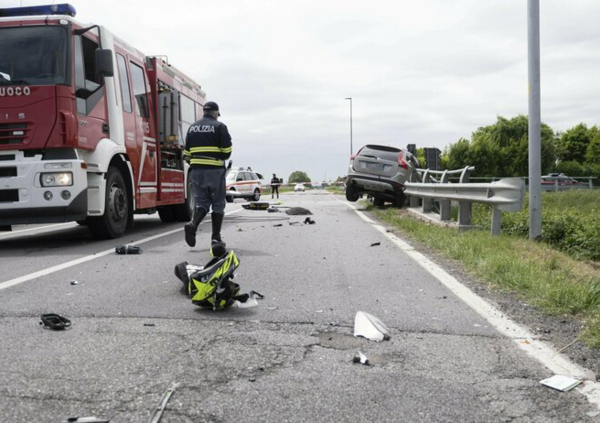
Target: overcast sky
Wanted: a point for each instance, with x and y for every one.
(426, 72)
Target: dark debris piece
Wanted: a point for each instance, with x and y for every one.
(55, 321)
(255, 294)
(375, 244)
(309, 221)
(130, 249)
(298, 211)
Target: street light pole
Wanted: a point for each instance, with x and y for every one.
(535, 168)
(351, 149)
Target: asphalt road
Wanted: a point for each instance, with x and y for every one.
(134, 331)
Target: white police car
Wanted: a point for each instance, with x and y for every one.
(243, 183)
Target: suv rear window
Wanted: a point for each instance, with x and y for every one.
(382, 152)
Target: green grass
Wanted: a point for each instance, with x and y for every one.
(549, 279)
(570, 222)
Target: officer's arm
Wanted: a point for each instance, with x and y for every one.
(225, 141)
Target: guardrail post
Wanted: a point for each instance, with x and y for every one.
(445, 210)
(496, 220)
(464, 213)
(444, 204)
(427, 202)
(414, 201)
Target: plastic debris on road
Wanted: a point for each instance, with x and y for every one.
(298, 211)
(250, 302)
(361, 358)
(163, 403)
(129, 249)
(256, 205)
(561, 383)
(370, 327)
(74, 282)
(256, 295)
(85, 420)
(375, 244)
(55, 321)
(309, 221)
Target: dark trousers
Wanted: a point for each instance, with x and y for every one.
(209, 188)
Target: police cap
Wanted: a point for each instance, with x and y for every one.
(211, 106)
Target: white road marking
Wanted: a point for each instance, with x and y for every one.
(37, 230)
(62, 266)
(522, 337)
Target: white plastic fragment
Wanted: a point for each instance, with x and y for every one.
(250, 302)
(370, 327)
(561, 382)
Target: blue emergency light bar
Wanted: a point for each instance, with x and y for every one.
(51, 9)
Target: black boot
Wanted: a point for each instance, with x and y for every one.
(191, 227)
(217, 246)
(217, 222)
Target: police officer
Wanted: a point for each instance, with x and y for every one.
(207, 146)
(275, 186)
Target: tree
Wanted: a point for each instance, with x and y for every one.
(501, 149)
(572, 144)
(457, 155)
(571, 168)
(592, 155)
(298, 176)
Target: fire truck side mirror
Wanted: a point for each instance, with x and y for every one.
(104, 62)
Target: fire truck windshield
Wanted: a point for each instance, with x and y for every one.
(34, 55)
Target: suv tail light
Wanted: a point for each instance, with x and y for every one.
(401, 162)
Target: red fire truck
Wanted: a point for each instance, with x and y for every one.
(91, 129)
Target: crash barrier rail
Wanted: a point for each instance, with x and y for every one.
(507, 195)
(553, 183)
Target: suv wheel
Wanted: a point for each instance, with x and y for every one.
(256, 195)
(351, 194)
(378, 202)
(400, 199)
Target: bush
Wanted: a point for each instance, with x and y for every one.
(571, 168)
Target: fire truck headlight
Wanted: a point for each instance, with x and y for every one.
(62, 179)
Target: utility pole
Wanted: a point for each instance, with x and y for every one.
(535, 149)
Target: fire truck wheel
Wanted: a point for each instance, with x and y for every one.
(116, 211)
(166, 214)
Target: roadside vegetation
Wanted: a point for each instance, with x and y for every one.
(559, 275)
(501, 150)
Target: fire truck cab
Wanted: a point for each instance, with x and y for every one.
(91, 129)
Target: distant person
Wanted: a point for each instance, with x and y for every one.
(274, 186)
(207, 146)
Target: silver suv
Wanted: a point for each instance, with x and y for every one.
(380, 171)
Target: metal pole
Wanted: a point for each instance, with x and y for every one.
(535, 168)
(351, 149)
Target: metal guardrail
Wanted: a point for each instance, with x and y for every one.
(507, 195)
